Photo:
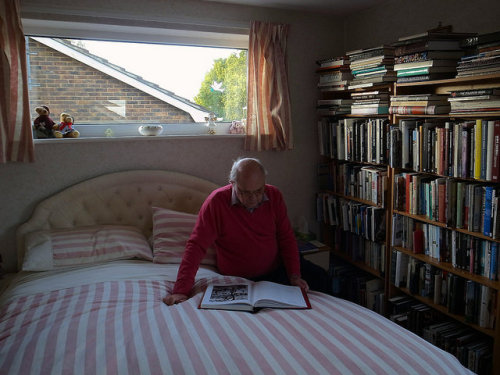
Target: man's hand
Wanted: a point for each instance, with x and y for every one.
(297, 281)
(174, 298)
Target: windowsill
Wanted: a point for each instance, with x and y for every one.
(128, 133)
(137, 138)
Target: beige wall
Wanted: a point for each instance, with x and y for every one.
(311, 37)
(62, 164)
(385, 23)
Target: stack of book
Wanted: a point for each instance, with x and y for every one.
(334, 74)
(485, 60)
(370, 103)
(332, 107)
(428, 56)
(372, 66)
(419, 104)
(477, 102)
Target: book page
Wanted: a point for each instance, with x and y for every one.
(269, 294)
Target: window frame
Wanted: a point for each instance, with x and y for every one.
(107, 29)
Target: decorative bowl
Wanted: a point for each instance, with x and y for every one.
(150, 129)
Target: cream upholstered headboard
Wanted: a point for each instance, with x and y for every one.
(121, 198)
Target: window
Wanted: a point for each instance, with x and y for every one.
(111, 88)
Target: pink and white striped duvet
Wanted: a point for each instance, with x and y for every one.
(110, 319)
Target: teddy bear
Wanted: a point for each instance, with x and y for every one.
(43, 124)
(237, 127)
(65, 128)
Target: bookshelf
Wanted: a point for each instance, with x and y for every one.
(362, 165)
(452, 228)
(338, 170)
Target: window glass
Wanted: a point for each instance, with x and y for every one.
(115, 85)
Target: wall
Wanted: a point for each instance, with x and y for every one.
(62, 164)
(385, 23)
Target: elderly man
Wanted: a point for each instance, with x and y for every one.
(248, 225)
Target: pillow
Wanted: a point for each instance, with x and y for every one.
(46, 250)
(171, 231)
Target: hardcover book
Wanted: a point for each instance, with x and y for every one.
(252, 296)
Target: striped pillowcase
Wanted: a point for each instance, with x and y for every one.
(171, 231)
(46, 250)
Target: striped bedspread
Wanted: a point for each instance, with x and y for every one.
(110, 319)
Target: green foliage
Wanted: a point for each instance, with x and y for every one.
(224, 89)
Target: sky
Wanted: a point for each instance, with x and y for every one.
(180, 69)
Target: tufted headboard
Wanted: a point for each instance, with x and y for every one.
(121, 198)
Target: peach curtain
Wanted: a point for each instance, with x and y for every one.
(16, 140)
(269, 124)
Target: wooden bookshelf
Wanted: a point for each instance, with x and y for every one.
(355, 199)
(444, 86)
(374, 249)
(444, 310)
(424, 219)
(449, 268)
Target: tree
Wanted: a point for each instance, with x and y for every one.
(224, 89)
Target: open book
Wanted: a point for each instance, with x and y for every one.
(250, 296)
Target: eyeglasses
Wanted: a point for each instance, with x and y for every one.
(248, 194)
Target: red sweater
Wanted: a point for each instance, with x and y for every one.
(248, 244)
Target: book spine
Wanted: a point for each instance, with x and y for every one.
(484, 135)
(465, 154)
(488, 196)
(495, 169)
(477, 148)
(414, 110)
(442, 202)
(464, 93)
(494, 261)
(489, 150)
(412, 72)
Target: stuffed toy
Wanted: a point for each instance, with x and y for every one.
(65, 128)
(237, 127)
(43, 124)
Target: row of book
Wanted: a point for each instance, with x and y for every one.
(461, 102)
(458, 204)
(472, 349)
(355, 286)
(465, 252)
(362, 140)
(378, 102)
(358, 249)
(463, 149)
(358, 218)
(476, 302)
(363, 182)
(435, 54)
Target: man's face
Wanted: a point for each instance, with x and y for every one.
(250, 189)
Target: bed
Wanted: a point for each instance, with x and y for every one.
(96, 261)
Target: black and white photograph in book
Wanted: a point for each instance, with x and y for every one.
(221, 293)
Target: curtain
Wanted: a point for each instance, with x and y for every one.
(16, 140)
(268, 111)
